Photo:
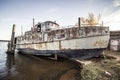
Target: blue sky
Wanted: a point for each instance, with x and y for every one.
(64, 12)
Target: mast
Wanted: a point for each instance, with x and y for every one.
(79, 22)
(21, 31)
(33, 31)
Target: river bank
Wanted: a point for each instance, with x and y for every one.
(106, 67)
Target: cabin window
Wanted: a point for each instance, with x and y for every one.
(39, 28)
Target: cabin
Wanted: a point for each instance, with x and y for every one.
(37, 32)
(46, 26)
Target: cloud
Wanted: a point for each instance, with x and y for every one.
(116, 3)
(52, 10)
(113, 20)
(90, 1)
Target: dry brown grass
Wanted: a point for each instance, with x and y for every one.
(99, 68)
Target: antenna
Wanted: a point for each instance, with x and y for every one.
(33, 22)
(102, 24)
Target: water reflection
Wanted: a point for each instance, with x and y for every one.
(22, 67)
(10, 67)
(33, 68)
(10, 62)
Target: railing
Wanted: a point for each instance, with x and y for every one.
(4, 40)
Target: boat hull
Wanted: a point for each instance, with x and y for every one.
(83, 43)
(75, 54)
(94, 42)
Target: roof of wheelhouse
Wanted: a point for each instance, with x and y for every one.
(48, 22)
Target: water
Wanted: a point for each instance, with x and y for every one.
(22, 67)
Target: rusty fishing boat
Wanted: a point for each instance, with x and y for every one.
(47, 38)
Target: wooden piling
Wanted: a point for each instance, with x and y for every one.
(56, 57)
(11, 44)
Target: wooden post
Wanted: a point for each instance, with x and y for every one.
(56, 57)
(11, 45)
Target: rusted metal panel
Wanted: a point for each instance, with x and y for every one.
(43, 46)
(85, 43)
(72, 44)
(53, 45)
(82, 32)
(62, 34)
(96, 42)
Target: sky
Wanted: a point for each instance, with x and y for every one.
(64, 12)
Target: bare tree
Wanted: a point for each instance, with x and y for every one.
(92, 20)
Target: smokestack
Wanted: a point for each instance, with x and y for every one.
(79, 22)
